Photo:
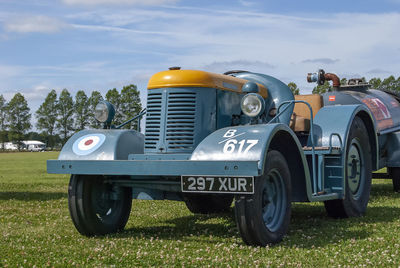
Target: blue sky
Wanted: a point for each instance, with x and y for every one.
(101, 44)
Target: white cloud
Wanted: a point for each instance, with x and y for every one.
(38, 92)
(117, 2)
(219, 40)
(116, 29)
(9, 71)
(224, 66)
(137, 42)
(321, 61)
(246, 3)
(34, 24)
(377, 71)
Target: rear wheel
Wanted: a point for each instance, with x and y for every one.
(263, 218)
(358, 175)
(97, 207)
(208, 203)
(394, 173)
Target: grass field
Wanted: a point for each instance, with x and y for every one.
(36, 230)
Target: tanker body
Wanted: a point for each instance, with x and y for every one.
(385, 110)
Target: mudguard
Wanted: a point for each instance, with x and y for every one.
(393, 149)
(102, 144)
(251, 143)
(239, 143)
(333, 121)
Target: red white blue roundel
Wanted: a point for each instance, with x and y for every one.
(87, 144)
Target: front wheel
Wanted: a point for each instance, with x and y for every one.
(263, 218)
(394, 173)
(98, 207)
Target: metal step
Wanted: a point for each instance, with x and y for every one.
(329, 166)
(337, 188)
(334, 177)
(322, 150)
(324, 197)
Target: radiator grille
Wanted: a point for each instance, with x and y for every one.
(170, 121)
(153, 120)
(180, 121)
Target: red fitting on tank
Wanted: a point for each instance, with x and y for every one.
(334, 78)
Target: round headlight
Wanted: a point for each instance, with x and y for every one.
(104, 112)
(252, 104)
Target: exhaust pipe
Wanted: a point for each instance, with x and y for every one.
(320, 77)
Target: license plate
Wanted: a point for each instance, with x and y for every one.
(218, 184)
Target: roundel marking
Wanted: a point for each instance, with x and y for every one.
(88, 144)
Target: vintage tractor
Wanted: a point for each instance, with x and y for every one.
(211, 138)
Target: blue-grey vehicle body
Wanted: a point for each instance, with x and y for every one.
(192, 130)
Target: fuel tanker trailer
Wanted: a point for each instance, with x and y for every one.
(213, 139)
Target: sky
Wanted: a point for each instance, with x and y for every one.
(102, 44)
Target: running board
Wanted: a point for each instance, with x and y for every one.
(325, 197)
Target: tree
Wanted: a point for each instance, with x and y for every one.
(388, 83)
(65, 112)
(114, 97)
(375, 82)
(46, 117)
(130, 104)
(326, 87)
(3, 125)
(293, 87)
(18, 118)
(94, 99)
(32, 135)
(398, 84)
(81, 110)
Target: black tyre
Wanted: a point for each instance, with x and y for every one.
(208, 203)
(394, 173)
(96, 207)
(263, 218)
(358, 175)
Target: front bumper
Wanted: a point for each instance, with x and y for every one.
(156, 168)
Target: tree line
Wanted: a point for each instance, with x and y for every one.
(390, 84)
(58, 117)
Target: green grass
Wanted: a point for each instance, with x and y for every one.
(36, 229)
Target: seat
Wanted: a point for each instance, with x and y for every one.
(300, 120)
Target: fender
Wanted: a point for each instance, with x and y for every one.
(252, 143)
(102, 144)
(337, 120)
(393, 149)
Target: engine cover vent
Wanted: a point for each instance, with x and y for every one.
(178, 119)
(180, 125)
(153, 120)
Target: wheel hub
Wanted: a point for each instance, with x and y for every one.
(273, 201)
(354, 164)
(104, 199)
